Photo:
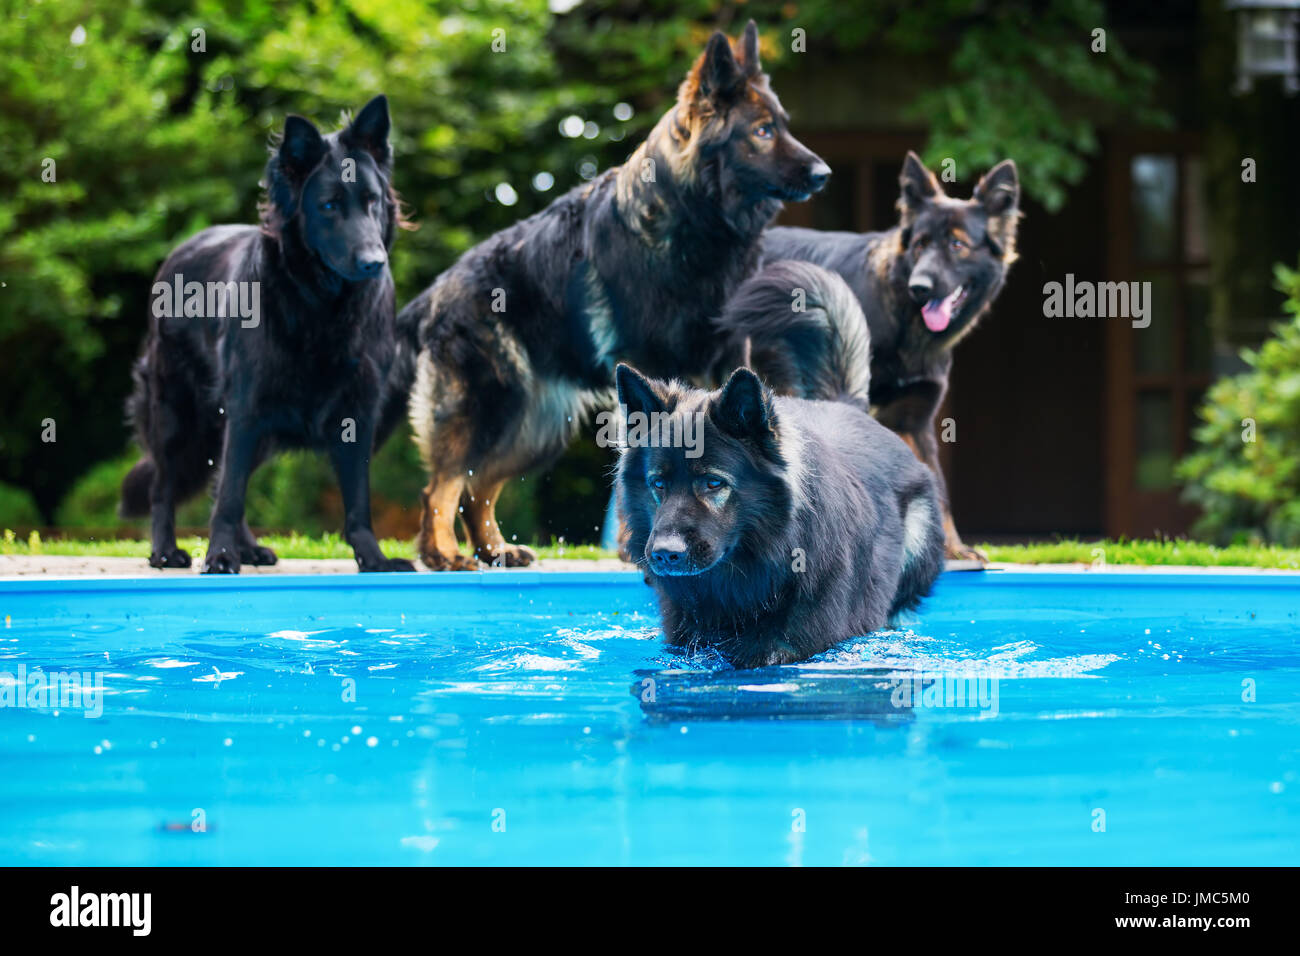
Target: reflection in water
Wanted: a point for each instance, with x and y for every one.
(775, 693)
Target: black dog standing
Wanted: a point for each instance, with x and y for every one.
(277, 336)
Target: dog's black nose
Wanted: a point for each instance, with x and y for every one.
(818, 173)
(370, 265)
(920, 288)
(667, 554)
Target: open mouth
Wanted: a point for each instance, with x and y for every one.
(938, 313)
(791, 194)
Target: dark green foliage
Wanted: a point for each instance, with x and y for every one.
(1245, 473)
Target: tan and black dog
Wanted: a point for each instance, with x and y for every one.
(922, 285)
(511, 347)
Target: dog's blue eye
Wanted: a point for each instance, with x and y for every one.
(957, 245)
(657, 483)
(764, 131)
(713, 483)
(329, 206)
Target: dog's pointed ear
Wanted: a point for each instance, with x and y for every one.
(369, 131)
(917, 185)
(636, 393)
(749, 50)
(999, 189)
(744, 408)
(302, 146)
(718, 76)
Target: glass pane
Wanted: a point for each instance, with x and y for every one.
(1155, 440)
(1200, 343)
(1155, 191)
(1194, 242)
(1154, 345)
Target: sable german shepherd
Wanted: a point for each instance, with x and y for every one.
(923, 285)
(519, 339)
(792, 523)
(221, 389)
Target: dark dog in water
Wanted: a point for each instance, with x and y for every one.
(922, 285)
(518, 340)
(273, 336)
(788, 524)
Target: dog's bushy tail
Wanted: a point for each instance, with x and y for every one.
(139, 480)
(401, 375)
(135, 490)
(800, 327)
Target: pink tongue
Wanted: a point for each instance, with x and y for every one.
(937, 313)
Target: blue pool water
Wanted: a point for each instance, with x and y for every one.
(517, 717)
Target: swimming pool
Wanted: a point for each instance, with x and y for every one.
(535, 718)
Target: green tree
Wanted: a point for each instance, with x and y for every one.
(1245, 472)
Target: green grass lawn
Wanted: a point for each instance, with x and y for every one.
(286, 546)
(1164, 552)
(1069, 551)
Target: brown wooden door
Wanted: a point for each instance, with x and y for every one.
(1156, 376)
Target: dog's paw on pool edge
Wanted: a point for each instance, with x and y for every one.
(957, 551)
(175, 558)
(388, 564)
(508, 556)
(221, 562)
(257, 556)
(437, 561)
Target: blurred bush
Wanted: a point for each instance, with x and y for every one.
(1245, 473)
(18, 508)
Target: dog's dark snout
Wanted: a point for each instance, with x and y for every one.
(667, 553)
(920, 288)
(818, 173)
(370, 264)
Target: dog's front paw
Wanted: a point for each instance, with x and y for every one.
(956, 551)
(387, 564)
(437, 561)
(175, 558)
(257, 556)
(223, 561)
(508, 556)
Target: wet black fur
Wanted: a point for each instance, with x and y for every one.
(211, 395)
(741, 592)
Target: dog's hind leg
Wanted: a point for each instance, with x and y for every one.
(465, 413)
(478, 503)
(162, 513)
(174, 430)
